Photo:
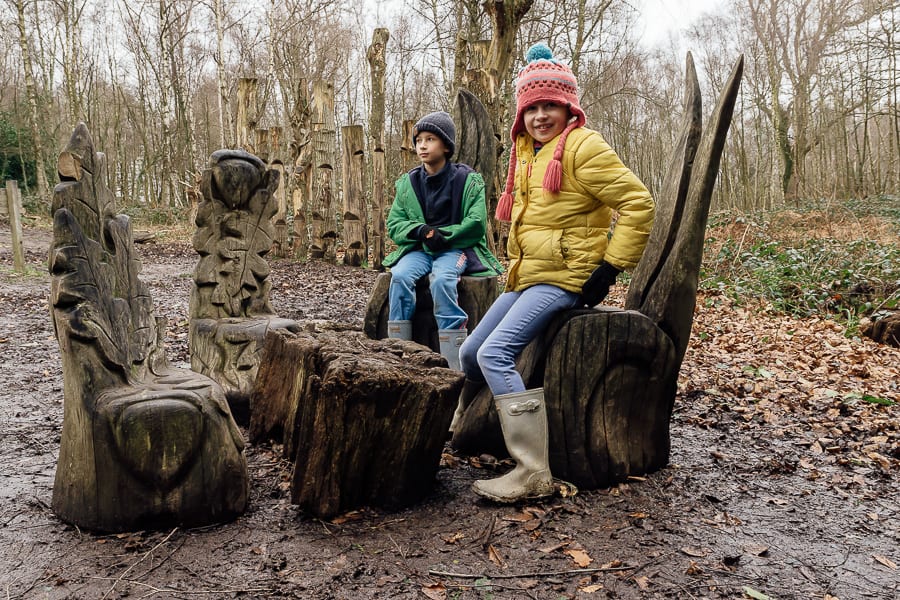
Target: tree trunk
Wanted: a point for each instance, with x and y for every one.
(246, 114)
(364, 421)
(324, 234)
(34, 103)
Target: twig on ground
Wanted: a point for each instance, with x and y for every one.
(136, 563)
(534, 574)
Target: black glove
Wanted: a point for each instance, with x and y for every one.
(436, 242)
(597, 286)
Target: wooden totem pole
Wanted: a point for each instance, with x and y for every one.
(230, 312)
(610, 375)
(143, 445)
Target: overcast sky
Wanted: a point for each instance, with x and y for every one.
(659, 17)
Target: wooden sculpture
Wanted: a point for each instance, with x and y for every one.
(229, 309)
(609, 376)
(143, 445)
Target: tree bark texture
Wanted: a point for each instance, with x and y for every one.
(356, 244)
(476, 294)
(143, 445)
(364, 421)
(610, 376)
(229, 307)
(301, 189)
(280, 239)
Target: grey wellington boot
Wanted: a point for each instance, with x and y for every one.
(400, 330)
(466, 396)
(523, 418)
(450, 341)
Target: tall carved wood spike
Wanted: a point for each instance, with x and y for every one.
(476, 144)
(143, 445)
(664, 285)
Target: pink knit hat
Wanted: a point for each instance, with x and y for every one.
(542, 79)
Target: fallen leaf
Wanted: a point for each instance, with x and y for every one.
(755, 595)
(643, 582)
(521, 517)
(885, 561)
(581, 558)
(495, 556)
(693, 569)
(453, 538)
(639, 515)
(696, 552)
(553, 548)
(756, 549)
(590, 589)
(435, 591)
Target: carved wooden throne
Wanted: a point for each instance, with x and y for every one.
(230, 312)
(143, 445)
(610, 375)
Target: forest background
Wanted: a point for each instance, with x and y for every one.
(816, 126)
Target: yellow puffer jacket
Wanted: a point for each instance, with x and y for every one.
(561, 238)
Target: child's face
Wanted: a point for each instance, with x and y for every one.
(545, 120)
(431, 149)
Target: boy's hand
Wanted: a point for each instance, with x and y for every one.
(596, 288)
(435, 240)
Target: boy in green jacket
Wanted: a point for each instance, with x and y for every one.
(439, 222)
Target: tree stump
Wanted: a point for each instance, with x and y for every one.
(143, 445)
(884, 328)
(476, 294)
(229, 308)
(363, 421)
(609, 375)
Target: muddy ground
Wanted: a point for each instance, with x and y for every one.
(783, 481)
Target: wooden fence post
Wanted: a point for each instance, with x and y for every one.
(14, 208)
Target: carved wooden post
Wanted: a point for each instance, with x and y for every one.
(301, 188)
(14, 209)
(247, 115)
(354, 195)
(280, 239)
(610, 376)
(477, 146)
(263, 145)
(408, 156)
(229, 308)
(377, 67)
(324, 233)
(143, 445)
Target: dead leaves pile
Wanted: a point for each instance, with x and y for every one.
(799, 379)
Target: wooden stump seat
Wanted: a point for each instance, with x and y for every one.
(476, 294)
(363, 421)
(143, 445)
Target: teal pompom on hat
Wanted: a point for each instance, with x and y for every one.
(542, 79)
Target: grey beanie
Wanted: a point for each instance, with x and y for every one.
(440, 124)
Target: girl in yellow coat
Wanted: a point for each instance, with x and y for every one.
(563, 185)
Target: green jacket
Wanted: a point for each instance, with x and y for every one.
(470, 234)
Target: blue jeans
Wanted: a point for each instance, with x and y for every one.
(512, 321)
(444, 271)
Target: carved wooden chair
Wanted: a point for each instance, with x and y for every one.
(143, 445)
(229, 309)
(610, 375)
